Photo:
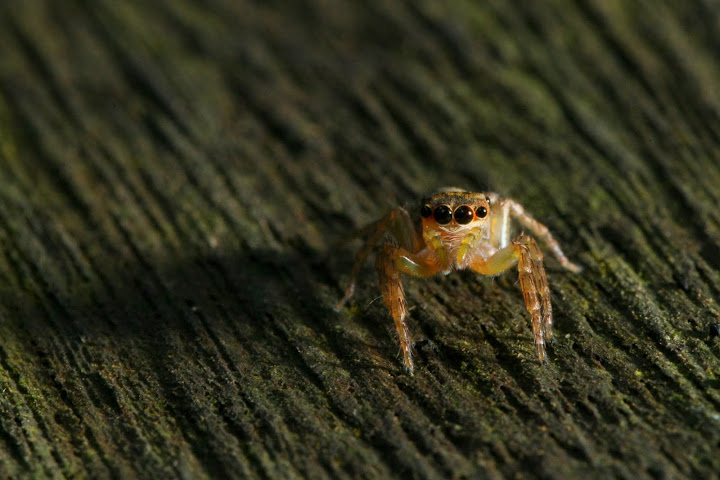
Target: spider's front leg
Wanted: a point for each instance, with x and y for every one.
(536, 291)
(391, 262)
(398, 224)
(524, 252)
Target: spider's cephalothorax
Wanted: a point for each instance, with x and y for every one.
(459, 230)
(454, 225)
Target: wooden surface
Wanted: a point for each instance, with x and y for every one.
(174, 174)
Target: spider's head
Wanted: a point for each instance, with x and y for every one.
(454, 211)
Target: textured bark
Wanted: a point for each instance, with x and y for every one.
(174, 175)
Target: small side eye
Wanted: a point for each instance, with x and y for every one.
(426, 211)
(481, 212)
(442, 214)
(463, 214)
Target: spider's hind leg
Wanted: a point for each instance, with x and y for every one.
(541, 231)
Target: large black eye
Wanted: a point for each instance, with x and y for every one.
(481, 212)
(426, 211)
(463, 214)
(442, 214)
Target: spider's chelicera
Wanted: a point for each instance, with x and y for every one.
(459, 230)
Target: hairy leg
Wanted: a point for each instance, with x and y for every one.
(391, 262)
(543, 233)
(504, 209)
(398, 224)
(524, 252)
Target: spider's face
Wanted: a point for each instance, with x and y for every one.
(455, 211)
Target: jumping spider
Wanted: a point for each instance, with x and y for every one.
(459, 230)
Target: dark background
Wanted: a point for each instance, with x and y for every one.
(174, 176)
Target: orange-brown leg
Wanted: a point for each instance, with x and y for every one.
(524, 252)
(536, 291)
(542, 232)
(398, 224)
(391, 262)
